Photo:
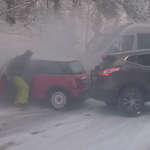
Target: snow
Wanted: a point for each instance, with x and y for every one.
(96, 129)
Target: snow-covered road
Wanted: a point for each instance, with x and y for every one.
(89, 126)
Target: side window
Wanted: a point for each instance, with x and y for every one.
(124, 43)
(143, 41)
(4, 68)
(144, 59)
(131, 59)
(49, 67)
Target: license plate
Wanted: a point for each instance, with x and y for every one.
(94, 78)
(85, 81)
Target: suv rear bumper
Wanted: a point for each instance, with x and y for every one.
(97, 93)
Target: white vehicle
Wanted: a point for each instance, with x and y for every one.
(125, 38)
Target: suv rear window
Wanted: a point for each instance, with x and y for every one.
(107, 60)
(75, 67)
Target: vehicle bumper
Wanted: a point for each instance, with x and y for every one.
(97, 93)
(80, 94)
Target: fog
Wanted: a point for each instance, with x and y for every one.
(54, 38)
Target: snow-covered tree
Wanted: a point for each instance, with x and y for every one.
(89, 17)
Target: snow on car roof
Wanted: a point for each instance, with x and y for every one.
(53, 58)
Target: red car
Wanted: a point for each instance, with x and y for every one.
(57, 81)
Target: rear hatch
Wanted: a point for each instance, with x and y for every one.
(79, 77)
(103, 69)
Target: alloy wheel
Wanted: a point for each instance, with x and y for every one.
(59, 100)
(132, 102)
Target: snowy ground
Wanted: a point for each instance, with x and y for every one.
(88, 126)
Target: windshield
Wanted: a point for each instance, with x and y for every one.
(101, 42)
(76, 67)
(105, 42)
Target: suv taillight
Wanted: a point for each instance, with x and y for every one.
(108, 72)
(74, 84)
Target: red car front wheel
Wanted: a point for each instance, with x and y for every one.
(58, 99)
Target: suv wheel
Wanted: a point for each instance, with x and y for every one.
(58, 100)
(131, 101)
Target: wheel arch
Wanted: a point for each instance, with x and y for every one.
(138, 85)
(60, 87)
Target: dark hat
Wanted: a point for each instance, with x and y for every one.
(28, 52)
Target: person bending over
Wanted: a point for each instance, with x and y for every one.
(16, 70)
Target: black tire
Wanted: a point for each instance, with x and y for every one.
(58, 99)
(111, 104)
(131, 102)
